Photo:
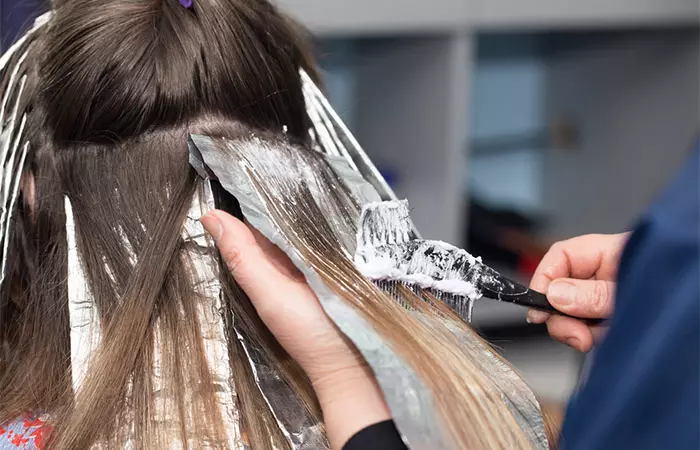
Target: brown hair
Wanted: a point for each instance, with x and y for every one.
(115, 91)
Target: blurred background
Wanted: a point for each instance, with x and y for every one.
(509, 124)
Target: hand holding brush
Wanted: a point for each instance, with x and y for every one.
(391, 254)
(578, 275)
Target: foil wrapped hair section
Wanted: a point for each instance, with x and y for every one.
(85, 326)
(14, 146)
(233, 162)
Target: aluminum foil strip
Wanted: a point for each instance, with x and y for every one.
(325, 131)
(363, 191)
(520, 399)
(406, 395)
(515, 393)
(301, 431)
(7, 215)
(212, 323)
(318, 106)
(85, 329)
(84, 317)
(11, 135)
(38, 23)
(9, 91)
(11, 176)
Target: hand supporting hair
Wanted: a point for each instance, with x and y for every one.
(347, 391)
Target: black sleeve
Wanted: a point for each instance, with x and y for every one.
(380, 436)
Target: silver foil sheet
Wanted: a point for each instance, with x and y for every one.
(212, 323)
(300, 429)
(406, 395)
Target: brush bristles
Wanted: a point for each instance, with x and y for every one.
(461, 305)
(385, 223)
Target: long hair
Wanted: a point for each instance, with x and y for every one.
(116, 89)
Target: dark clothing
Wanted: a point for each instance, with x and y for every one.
(642, 390)
(381, 436)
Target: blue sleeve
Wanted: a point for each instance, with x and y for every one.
(642, 389)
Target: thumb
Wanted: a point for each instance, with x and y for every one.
(239, 250)
(582, 298)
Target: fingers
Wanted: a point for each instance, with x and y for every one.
(260, 268)
(579, 298)
(237, 246)
(537, 317)
(571, 332)
(592, 299)
(575, 333)
(581, 257)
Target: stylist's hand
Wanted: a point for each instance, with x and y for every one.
(578, 276)
(346, 389)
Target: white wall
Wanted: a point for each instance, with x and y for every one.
(577, 13)
(636, 100)
(411, 115)
(507, 100)
(337, 59)
(344, 17)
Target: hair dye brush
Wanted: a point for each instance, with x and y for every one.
(388, 252)
(389, 248)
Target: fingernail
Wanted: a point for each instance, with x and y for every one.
(562, 293)
(213, 225)
(573, 342)
(536, 317)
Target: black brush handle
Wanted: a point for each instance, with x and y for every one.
(494, 285)
(536, 300)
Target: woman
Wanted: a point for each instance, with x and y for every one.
(121, 330)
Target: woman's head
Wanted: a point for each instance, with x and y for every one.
(112, 70)
(113, 88)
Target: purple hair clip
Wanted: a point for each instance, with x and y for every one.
(187, 3)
